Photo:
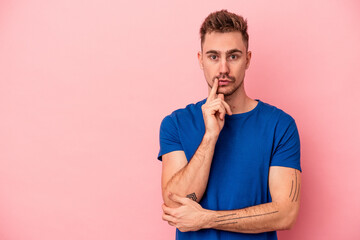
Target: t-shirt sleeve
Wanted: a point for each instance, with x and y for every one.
(287, 144)
(169, 137)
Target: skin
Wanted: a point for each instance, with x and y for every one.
(280, 214)
(224, 57)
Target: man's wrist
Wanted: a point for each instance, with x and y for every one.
(210, 137)
(208, 220)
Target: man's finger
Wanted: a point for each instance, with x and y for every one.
(177, 198)
(171, 223)
(212, 94)
(167, 210)
(168, 218)
(222, 112)
(221, 96)
(222, 109)
(227, 107)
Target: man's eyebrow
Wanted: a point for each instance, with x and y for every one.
(233, 51)
(227, 52)
(212, 51)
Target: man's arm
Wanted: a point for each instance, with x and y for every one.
(187, 179)
(280, 214)
(190, 179)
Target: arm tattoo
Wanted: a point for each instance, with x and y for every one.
(227, 215)
(296, 191)
(249, 216)
(295, 186)
(192, 196)
(298, 194)
(227, 223)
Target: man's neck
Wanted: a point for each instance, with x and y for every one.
(239, 102)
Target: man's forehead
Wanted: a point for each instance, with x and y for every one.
(223, 42)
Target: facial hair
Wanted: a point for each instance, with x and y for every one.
(227, 77)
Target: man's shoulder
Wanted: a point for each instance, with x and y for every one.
(276, 114)
(184, 121)
(187, 111)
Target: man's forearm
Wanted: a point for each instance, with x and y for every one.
(280, 214)
(192, 180)
(260, 218)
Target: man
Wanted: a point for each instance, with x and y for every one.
(231, 164)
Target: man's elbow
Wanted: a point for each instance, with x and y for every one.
(167, 201)
(289, 220)
(288, 224)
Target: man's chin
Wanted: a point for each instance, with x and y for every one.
(224, 92)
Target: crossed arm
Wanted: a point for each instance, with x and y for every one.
(190, 179)
(183, 185)
(187, 179)
(187, 215)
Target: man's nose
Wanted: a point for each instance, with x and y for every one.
(224, 68)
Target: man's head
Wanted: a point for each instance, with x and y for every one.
(224, 51)
(222, 22)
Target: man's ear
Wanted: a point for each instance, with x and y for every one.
(200, 60)
(248, 58)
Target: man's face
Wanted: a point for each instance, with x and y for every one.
(224, 56)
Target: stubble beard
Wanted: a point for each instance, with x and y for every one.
(230, 91)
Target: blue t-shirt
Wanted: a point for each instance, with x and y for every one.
(248, 145)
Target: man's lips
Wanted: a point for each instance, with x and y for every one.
(223, 82)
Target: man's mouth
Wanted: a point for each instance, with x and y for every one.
(224, 82)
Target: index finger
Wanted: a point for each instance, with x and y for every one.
(212, 94)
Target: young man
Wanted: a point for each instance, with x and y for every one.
(231, 164)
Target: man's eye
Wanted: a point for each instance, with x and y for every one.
(213, 57)
(233, 57)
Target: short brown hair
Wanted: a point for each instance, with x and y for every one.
(224, 21)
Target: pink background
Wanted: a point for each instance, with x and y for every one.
(84, 86)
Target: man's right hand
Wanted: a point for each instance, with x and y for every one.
(214, 111)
